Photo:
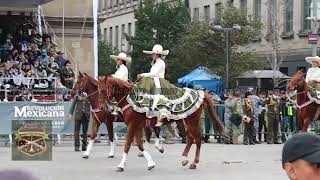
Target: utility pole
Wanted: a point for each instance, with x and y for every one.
(314, 25)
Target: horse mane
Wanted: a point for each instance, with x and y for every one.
(91, 79)
(298, 76)
(119, 82)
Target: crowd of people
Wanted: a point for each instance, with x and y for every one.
(32, 61)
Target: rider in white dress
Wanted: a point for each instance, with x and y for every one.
(122, 71)
(313, 74)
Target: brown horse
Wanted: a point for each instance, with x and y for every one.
(110, 87)
(102, 114)
(307, 110)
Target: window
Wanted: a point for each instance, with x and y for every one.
(196, 14)
(257, 10)
(110, 36)
(306, 13)
(130, 34)
(272, 16)
(117, 37)
(207, 13)
(284, 70)
(123, 30)
(218, 12)
(243, 7)
(289, 16)
(230, 3)
(105, 33)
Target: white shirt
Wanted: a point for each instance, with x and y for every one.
(121, 73)
(157, 70)
(313, 74)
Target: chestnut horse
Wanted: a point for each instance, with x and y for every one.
(307, 110)
(110, 88)
(101, 114)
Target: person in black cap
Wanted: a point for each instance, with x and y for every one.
(67, 75)
(301, 157)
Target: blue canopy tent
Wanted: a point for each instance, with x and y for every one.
(202, 76)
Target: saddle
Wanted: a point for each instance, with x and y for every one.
(314, 93)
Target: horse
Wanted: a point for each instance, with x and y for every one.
(110, 87)
(307, 110)
(102, 114)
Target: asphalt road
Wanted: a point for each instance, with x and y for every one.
(218, 162)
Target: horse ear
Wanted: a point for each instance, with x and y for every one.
(80, 75)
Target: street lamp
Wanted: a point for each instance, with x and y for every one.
(218, 28)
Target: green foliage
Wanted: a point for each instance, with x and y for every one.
(106, 65)
(157, 23)
(199, 46)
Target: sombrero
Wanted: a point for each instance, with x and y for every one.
(122, 56)
(157, 49)
(313, 59)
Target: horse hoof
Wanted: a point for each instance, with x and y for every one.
(193, 166)
(140, 155)
(151, 167)
(119, 169)
(110, 156)
(184, 162)
(85, 157)
(161, 150)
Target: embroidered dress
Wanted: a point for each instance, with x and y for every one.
(314, 93)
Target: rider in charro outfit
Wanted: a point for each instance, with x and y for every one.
(313, 77)
(156, 97)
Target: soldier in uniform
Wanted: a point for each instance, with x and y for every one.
(67, 75)
(248, 119)
(80, 110)
(273, 118)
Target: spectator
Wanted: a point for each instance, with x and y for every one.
(44, 58)
(28, 80)
(60, 60)
(301, 157)
(41, 77)
(248, 111)
(52, 70)
(6, 48)
(67, 75)
(35, 36)
(16, 76)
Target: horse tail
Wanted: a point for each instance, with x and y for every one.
(213, 114)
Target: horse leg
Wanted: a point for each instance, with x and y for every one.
(132, 127)
(157, 140)
(109, 124)
(305, 124)
(195, 131)
(146, 132)
(138, 136)
(190, 140)
(94, 130)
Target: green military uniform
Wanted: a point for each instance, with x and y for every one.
(273, 120)
(67, 73)
(236, 127)
(80, 107)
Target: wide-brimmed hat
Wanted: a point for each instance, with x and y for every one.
(313, 59)
(157, 49)
(122, 56)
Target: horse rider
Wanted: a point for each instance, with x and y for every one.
(80, 110)
(313, 77)
(122, 71)
(157, 71)
(313, 74)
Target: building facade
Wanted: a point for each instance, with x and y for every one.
(285, 26)
(117, 19)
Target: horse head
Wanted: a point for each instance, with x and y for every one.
(84, 84)
(297, 81)
(110, 87)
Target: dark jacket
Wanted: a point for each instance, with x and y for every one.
(80, 106)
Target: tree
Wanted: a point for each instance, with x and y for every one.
(157, 23)
(198, 45)
(106, 65)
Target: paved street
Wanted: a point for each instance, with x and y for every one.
(260, 162)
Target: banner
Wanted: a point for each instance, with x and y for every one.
(56, 112)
